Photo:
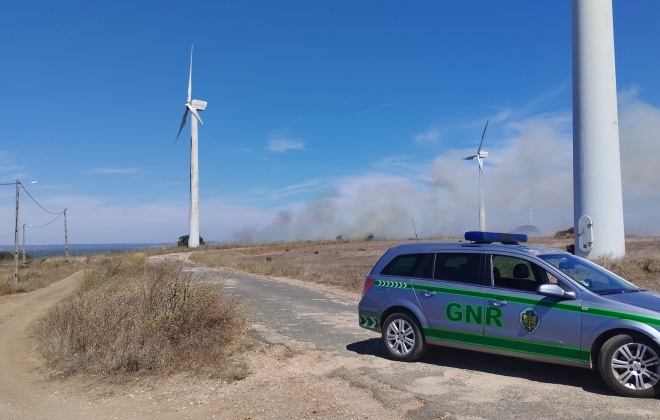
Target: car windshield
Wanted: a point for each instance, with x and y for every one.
(590, 275)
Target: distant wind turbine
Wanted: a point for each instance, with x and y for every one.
(193, 105)
(481, 155)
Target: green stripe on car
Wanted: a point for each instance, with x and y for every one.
(559, 352)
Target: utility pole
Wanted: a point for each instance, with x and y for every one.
(18, 186)
(23, 243)
(66, 240)
(18, 183)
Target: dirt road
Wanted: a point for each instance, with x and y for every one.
(22, 386)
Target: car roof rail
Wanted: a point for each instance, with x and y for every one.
(490, 237)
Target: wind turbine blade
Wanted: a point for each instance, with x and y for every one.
(482, 137)
(183, 123)
(470, 157)
(481, 165)
(195, 113)
(190, 76)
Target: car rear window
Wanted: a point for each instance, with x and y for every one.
(405, 265)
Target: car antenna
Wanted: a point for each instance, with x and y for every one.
(413, 222)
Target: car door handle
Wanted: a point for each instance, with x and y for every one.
(499, 303)
(429, 294)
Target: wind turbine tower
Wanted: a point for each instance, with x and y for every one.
(481, 155)
(193, 105)
(598, 202)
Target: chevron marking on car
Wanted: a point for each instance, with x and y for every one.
(369, 322)
(393, 284)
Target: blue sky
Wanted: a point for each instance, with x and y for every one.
(323, 117)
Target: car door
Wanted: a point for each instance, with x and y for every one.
(530, 323)
(450, 291)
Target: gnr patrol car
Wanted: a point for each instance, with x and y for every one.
(496, 296)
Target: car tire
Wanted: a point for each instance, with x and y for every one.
(403, 338)
(629, 364)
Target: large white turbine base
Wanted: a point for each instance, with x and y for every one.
(598, 199)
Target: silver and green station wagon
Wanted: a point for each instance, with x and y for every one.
(493, 295)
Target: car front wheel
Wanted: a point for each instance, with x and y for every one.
(629, 364)
(403, 338)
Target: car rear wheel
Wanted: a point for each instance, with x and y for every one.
(403, 338)
(630, 365)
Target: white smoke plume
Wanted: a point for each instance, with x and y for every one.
(530, 167)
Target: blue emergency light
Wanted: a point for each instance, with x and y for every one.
(490, 237)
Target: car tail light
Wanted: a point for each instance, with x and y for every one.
(366, 285)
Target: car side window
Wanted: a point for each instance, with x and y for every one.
(516, 273)
(458, 267)
(405, 265)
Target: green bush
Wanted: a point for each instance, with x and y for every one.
(183, 240)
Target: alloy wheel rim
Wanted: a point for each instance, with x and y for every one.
(400, 337)
(636, 366)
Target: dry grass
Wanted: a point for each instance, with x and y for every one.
(641, 265)
(344, 264)
(338, 264)
(129, 316)
(37, 273)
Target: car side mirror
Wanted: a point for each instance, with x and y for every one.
(553, 290)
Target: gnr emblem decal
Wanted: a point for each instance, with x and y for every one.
(530, 320)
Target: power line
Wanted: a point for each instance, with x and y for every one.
(46, 224)
(37, 203)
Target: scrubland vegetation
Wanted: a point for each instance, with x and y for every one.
(342, 264)
(640, 265)
(36, 273)
(131, 316)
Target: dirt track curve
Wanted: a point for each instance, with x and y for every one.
(24, 391)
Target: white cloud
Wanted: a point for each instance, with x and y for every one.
(283, 144)
(429, 136)
(300, 188)
(371, 109)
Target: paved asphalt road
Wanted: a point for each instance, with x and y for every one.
(451, 383)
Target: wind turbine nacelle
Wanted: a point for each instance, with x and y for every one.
(198, 104)
(483, 155)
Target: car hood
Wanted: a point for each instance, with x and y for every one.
(648, 300)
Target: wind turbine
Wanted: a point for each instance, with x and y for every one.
(193, 105)
(481, 155)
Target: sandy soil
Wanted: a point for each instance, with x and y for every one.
(295, 381)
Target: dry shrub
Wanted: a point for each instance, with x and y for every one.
(38, 273)
(341, 264)
(5, 285)
(130, 316)
(640, 267)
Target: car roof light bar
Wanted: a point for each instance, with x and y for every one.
(490, 237)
